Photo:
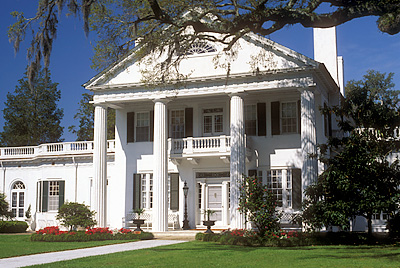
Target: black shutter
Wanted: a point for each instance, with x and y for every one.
(45, 196)
(262, 119)
(61, 193)
(252, 172)
(275, 118)
(39, 197)
(296, 190)
(174, 191)
(130, 127)
(299, 115)
(136, 190)
(330, 125)
(151, 125)
(188, 122)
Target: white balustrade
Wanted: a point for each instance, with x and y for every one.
(190, 145)
(61, 148)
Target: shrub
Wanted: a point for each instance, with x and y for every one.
(13, 226)
(258, 204)
(393, 225)
(72, 215)
(4, 207)
(53, 234)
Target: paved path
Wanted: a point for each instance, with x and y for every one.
(80, 253)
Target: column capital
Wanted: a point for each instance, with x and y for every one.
(240, 94)
(162, 99)
(313, 89)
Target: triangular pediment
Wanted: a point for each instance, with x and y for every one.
(252, 54)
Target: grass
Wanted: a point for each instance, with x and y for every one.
(18, 245)
(207, 254)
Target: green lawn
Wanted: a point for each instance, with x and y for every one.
(207, 254)
(17, 245)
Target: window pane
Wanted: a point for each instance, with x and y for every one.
(142, 126)
(21, 200)
(274, 183)
(14, 200)
(207, 124)
(218, 124)
(178, 124)
(289, 117)
(54, 191)
(20, 212)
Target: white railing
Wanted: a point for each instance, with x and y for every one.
(376, 133)
(61, 148)
(201, 145)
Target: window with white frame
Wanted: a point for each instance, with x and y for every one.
(143, 191)
(289, 117)
(213, 121)
(285, 185)
(177, 124)
(142, 126)
(250, 114)
(18, 199)
(51, 195)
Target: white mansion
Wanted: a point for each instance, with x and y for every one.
(263, 118)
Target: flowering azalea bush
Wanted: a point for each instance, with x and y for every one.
(258, 205)
(53, 234)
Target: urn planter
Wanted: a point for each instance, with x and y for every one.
(209, 224)
(138, 222)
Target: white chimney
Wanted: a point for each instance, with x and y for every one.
(325, 51)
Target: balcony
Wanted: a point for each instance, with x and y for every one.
(52, 149)
(202, 146)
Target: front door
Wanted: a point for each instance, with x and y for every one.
(213, 194)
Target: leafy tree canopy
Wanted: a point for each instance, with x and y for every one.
(176, 24)
(85, 115)
(361, 178)
(4, 208)
(31, 114)
(73, 214)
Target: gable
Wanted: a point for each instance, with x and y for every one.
(252, 54)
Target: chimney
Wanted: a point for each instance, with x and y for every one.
(325, 51)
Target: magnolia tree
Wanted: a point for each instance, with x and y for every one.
(4, 208)
(72, 215)
(258, 205)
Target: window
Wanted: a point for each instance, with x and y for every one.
(285, 185)
(285, 117)
(213, 121)
(18, 199)
(200, 47)
(143, 191)
(250, 114)
(178, 124)
(143, 126)
(51, 195)
(289, 117)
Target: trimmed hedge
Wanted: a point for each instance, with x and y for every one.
(300, 239)
(81, 236)
(13, 226)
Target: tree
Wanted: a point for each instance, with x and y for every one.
(360, 179)
(85, 115)
(258, 205)
(31, 114)
(73, 215)
(177, 24)
(4, 207)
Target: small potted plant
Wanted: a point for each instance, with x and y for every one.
(28, 217)
(209, 222)
(138, 221)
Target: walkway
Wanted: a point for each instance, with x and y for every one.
(81, 253)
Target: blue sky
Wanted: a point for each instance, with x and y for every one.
(360, 43)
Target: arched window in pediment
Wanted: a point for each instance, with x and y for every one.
(200, 47)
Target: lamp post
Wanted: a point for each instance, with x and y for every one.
(185, 215)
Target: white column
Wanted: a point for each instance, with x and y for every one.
(237, 162)
(160, 175)
(308, 138)
(203, 202)
(100, 165)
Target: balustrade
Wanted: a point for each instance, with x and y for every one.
(62, 148)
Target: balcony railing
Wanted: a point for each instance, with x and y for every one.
(62, 148)
(201, 145)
